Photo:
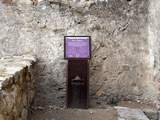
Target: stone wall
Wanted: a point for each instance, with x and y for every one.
(154, 35)
(122, 59)
(16, 87)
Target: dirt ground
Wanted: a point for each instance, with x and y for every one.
(138, 105)
(108, 113)
(75, 114)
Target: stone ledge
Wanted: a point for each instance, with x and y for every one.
(16, 86)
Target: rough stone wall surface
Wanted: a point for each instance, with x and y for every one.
(16, 87)
(154, 35)
(121, 65)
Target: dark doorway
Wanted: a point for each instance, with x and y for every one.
(77, 84)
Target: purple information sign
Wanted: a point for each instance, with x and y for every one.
(77, 47)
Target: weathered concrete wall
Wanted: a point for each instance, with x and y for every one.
(122, 61)
(17, 87)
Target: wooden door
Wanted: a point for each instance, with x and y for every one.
(77, 84)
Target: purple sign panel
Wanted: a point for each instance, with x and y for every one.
(77, 47)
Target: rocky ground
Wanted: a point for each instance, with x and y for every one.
(125, 110)
(75, 114)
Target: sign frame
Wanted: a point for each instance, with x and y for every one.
(74, 58)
